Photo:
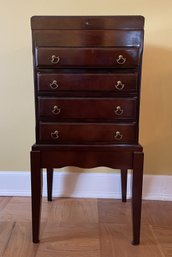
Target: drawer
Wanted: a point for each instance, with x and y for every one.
(87, 57)
(87, 82)
(87, 133)
(90, 109)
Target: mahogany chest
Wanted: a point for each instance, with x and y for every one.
(87, 77)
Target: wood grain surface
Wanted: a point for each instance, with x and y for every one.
(84, 227)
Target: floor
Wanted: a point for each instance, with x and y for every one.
(84, 228)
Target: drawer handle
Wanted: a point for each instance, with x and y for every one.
(55, 134)
(118, 136)
(119, 85)
(54, 84)
(56, 110)
(55, 59)
(119, 111)
(121, 59)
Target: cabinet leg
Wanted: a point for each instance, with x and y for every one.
(137, 195)
(49, 183)
(124, 184)
(36, 186)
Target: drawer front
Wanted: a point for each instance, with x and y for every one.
(88, 57)
(87, 109)
(73, 133)
(118, 83)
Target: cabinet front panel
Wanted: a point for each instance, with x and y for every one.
(95, 109)
(87, 133)
(87, 57)
(87, 38)
(104, 82)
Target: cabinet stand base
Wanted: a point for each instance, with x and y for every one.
(118, 157)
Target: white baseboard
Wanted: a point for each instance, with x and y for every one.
(86, 185)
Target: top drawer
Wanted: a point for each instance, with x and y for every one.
(87, 57)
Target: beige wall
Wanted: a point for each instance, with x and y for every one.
(16, 98)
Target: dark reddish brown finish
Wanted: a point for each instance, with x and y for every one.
(88, 57)
(49, 183)
(87, 22)
(138, 158)
(36, 183)
(124, 184)
(86, 38)
(89, 133)
(78, 82)
(87, 101)
(96, 109)
(86, 148)
(87, 159)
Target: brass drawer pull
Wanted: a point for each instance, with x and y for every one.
(119, 111)
(119, 85)
(118, 136)
(55, 134)
(54, 84)
(55, 59)
(56, 110)
(121, 59)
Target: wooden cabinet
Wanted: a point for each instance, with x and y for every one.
(87, 76)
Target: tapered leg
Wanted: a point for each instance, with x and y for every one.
(137, 195)
(124, 184)
(49, 183)
(36, 185)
